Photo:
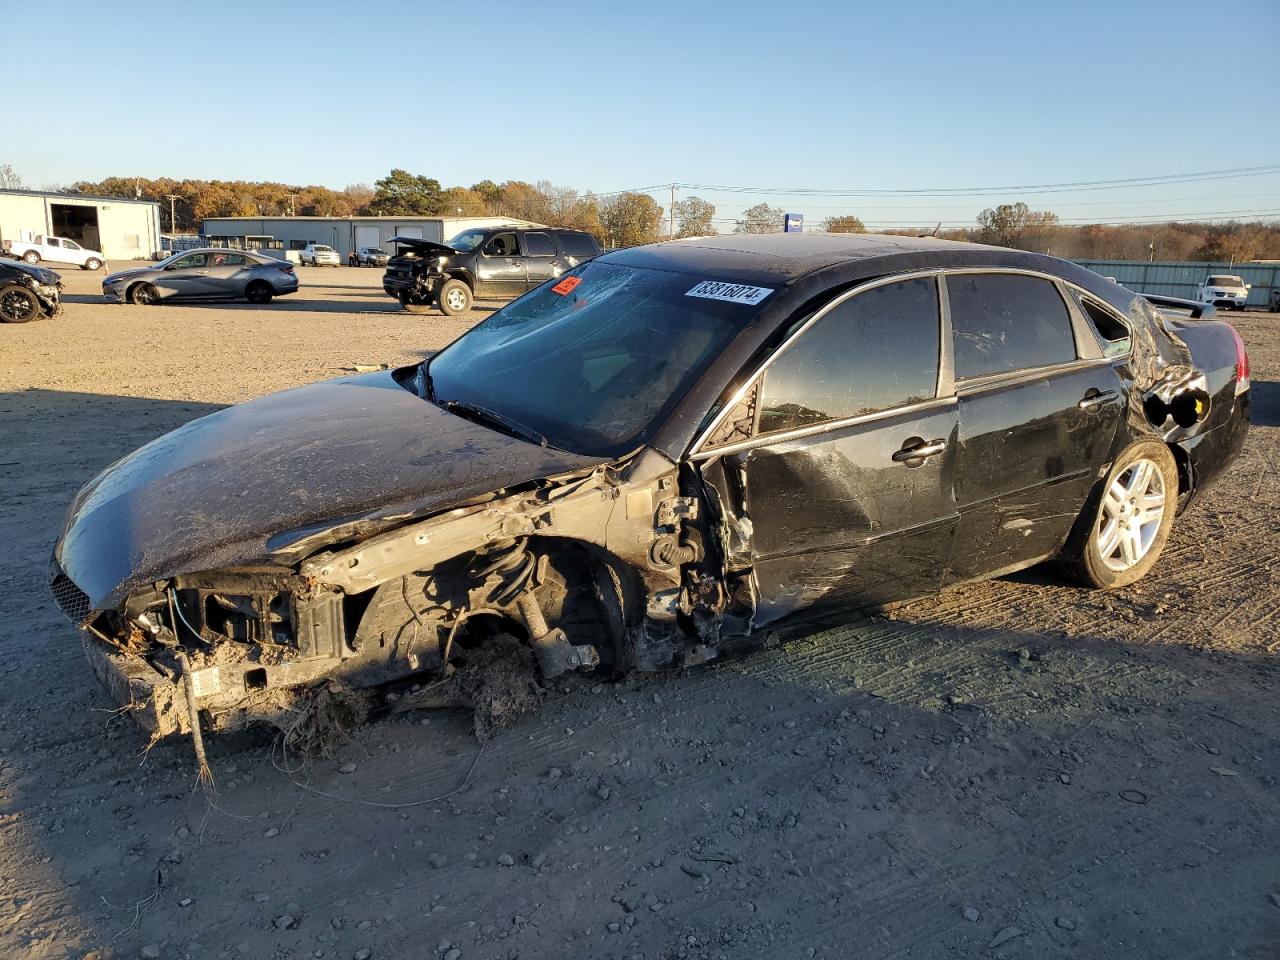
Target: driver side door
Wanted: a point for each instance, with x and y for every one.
(185, 278)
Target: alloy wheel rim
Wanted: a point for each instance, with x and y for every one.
(15, 307)
(1132, 510)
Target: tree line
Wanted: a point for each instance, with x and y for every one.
(630, 219)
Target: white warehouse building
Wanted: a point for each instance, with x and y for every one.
(119, 229)
(344, 234)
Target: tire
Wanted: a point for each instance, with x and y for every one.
(259, 292)
(1109, 545)
(93, 263)
(144, 295)
(18, 304)
(31, 256)
(412, 307)
(454, 298)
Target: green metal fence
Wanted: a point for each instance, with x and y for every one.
(1179, 278)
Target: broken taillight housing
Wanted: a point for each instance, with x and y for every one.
(1242, 363)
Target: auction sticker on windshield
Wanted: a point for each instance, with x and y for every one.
(566, 286)
(732, 292)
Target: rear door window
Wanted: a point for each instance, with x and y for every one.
(578, 244)
(538, 245)
(873, 352)
(1003, 322)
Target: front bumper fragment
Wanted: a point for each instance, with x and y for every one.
(157, 703)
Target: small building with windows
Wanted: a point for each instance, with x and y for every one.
(119, 229)
(344, 234)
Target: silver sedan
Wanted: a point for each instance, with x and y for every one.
(208, 274)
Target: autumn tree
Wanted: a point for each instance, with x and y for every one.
(1014, 225)
(695, 218)
(847, 223)
(761, 218)
(405, 194)
(630, 219)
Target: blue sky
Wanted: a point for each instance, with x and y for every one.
(620, 95)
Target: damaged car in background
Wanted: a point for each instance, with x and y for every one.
(666, 455)
(28, 292)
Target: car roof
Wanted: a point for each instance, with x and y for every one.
(246, 253)
(775, 258)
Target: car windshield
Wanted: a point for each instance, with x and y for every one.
(1225, 282)
(466, 241)
(595, 360)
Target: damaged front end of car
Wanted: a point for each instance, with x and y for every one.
(585, 568)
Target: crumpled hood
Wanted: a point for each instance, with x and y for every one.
(214, 492)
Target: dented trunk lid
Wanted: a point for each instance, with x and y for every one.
(228, 489)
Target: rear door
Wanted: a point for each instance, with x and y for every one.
(846, 483)
(500, 268)
(542, 261)
(1039, 410)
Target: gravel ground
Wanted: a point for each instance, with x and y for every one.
(1016, 769)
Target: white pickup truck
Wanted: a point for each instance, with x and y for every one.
(57, 249)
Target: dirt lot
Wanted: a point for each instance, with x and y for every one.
(1019, 769)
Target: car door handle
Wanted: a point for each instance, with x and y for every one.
(917, 449)
(1096, 398)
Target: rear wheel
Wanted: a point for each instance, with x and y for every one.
(31, 256)
(454, 298)
(144, 295)
(93, 263)
(258, 292)
(18, 304)
(1126, 523)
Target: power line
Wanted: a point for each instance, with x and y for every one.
(1062, 187)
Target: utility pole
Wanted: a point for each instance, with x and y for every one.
(173, 225)
(673, 211)
(291, 196)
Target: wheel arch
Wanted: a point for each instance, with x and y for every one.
(463, 274)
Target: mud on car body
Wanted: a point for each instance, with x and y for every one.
(664, 455)
(28, 292)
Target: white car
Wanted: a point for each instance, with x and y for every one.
(57, 249)
(318, 254)
(1224, 290)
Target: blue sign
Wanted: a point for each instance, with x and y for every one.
(793, 223)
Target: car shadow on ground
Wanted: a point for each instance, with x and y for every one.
(904, 768)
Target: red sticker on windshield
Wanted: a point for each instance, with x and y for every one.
(566, 286)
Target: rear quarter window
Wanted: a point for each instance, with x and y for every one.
(1005, 322)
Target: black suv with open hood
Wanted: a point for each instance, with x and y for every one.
(491, 262)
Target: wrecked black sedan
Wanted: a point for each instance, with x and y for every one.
(665, 455)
